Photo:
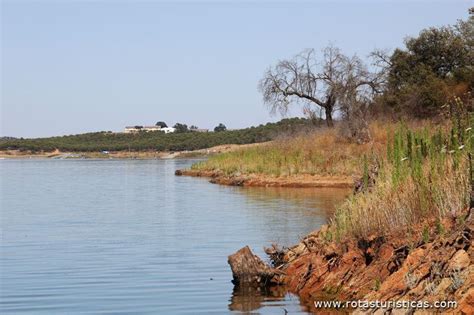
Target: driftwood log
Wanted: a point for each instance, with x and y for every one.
(249, 269)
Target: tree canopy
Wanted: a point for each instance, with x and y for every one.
(433, 67)
(181, 128)
(162, 124)
(418, 80)
(220, 127)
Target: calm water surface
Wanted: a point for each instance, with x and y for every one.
(129, 237)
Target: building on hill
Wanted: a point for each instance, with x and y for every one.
(134, 129)
(152, 128)
(168, 130)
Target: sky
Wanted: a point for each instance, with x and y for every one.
(70, 67)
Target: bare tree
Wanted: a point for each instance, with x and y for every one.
(355, 90)
(326, 86)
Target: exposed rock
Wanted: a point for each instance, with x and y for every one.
(459, 261)
(395, 267)
(466, 304)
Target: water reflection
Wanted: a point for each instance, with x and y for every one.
(120, 236)
(322, 200)
(272, 300)
(248, 298)
(315, 203)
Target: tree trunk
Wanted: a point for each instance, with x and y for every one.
(248, 269)
(328, 112)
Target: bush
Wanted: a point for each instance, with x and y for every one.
(434, 66)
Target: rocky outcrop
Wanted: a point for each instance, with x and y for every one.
(392, 267)
(395, 267)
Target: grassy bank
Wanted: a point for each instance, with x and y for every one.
(322, 152)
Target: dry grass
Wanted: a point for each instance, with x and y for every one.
(322, 152)
(427, 177)
(388, 207)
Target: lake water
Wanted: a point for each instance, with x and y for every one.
(130, 237)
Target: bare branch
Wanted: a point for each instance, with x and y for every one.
(330, 85)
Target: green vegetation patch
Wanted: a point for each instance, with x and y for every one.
(157, 141)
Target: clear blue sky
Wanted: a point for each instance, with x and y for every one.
(71, 67)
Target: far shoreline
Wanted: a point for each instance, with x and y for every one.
(125, 155)
(132, 155)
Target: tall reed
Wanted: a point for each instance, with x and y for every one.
(425, 174)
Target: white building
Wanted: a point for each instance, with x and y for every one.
(132, 129)
(168, 129)
(151, 128)
(135, 129)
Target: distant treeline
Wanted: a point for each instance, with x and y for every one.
(159, 141)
